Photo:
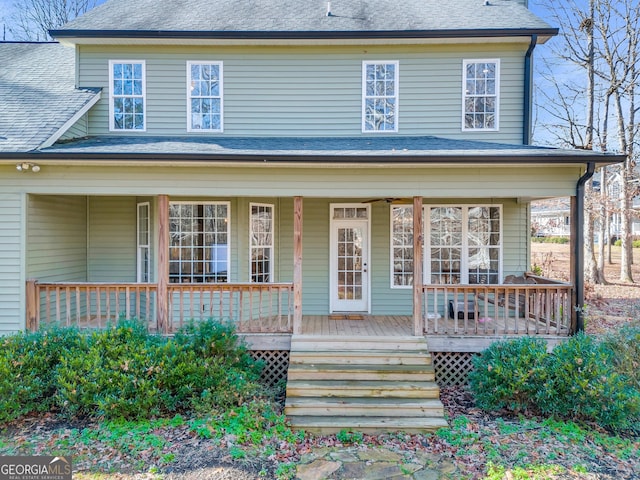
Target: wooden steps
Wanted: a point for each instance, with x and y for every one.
(368, 384)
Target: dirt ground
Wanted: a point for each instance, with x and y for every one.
(608, 306)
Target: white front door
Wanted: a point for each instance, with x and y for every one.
(350, 258)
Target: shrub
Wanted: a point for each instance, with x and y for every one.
(634, 243)
(560, 240)
(508, 374)
(583, 382)
(27, 363)
(124, 372)
(624, 350)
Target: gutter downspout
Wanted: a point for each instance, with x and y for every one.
(528, 92)
(579, 244)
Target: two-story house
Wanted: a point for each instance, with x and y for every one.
(353, 172)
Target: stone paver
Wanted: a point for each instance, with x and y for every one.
(349, 463)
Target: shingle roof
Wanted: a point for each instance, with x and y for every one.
(382, 149)
(37, 93)
(165, 16)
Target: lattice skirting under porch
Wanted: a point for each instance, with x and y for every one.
(452, 368)
(276, 365)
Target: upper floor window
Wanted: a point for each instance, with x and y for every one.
(127, 102)
(380, 97)
(481, 84)
(204, 92)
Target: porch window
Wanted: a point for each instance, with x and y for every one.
(127, 95)
(480, 87)
(261, 242)
(464, 244)
(402, 246)
(380, 97)
(144, 243)
(204, 91)
(199, 242)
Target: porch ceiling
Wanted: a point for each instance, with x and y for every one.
(394, 150)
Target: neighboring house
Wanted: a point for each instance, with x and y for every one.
(268, 163)
(551, 218)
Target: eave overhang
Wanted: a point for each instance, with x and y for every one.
(293, 160)
(79, 37)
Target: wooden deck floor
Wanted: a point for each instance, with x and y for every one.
(397, 325)
(365, 325)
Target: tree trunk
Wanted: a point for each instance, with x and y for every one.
(602, 234)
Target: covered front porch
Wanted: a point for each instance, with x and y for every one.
(359, 264)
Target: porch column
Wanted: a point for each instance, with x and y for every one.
(33, 319)
(418, 328)
(163, 263)
(297, 265)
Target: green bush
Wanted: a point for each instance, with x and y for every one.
(582, 379)
(125, 372)
(509, 373)
(624, 350)
(634, 243)
(27, 363)
(584, 383)
(561, 240)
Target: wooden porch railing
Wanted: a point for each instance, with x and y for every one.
(507, 309)
(252, 307)
(89, 305)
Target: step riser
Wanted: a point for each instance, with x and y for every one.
(329, 358)
(367, 430)
(331, 392)
(346, 346)
(369, 412)
(362, 375)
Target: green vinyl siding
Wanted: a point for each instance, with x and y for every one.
(12, 278)
(57, 238)
(112, 239)
(312, 91)
(77, 130)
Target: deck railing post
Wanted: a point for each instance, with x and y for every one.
(297, 265)
(163, 263)
(418, 328)
(32, 320)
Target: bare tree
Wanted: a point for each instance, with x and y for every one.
(34, 18)
(603, 43)
(572, 104)
(618, 22)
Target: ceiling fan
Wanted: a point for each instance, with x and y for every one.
(391, 200)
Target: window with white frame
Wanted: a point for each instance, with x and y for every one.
(144, 243)
(464, 244)
(261, 239)
(380, 96)
(199, 242)
(402, 246)
(127, 95)
(204, 91)
(480, 86)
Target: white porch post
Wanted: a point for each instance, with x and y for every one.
(418, 328)
(297, 265)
